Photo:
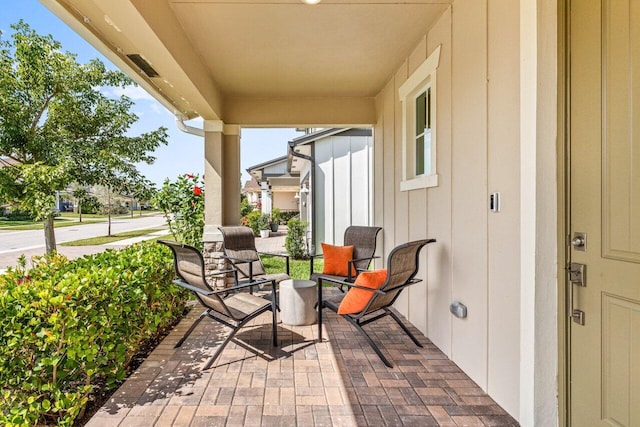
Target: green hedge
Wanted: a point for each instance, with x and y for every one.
(69, 325)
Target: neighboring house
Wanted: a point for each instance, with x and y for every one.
(336, 181)
(278, 187)
(487, 135)
(253, 191)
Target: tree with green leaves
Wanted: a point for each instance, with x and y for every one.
(59, 127)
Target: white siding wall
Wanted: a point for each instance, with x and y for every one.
(477, 255)
(342, 185)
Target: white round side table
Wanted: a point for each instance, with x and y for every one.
(297, 302)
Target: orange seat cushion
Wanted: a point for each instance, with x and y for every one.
(357, 299)
(336, 260)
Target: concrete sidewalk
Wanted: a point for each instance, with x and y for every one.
(274, 243)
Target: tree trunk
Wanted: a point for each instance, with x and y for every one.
(80, 209)
(109, 213)
(49, 235)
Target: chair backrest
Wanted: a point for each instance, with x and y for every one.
(402, 266)
(240, 243)
(363, 239)
(189, 266)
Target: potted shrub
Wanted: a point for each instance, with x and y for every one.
(275, 219)
(263, 225)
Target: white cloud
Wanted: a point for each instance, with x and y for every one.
(134, 92)
(159, 109)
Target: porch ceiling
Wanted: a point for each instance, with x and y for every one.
(258, 61)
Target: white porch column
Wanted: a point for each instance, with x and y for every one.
(222, 191)
(266, 198)
(538, 207)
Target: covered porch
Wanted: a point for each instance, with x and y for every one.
(462, 98)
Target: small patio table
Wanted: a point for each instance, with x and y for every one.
(297, 302)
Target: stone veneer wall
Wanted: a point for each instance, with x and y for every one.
(212, 254)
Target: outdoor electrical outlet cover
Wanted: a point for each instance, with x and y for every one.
(458, 309)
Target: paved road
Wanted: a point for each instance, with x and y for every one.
(31, 242)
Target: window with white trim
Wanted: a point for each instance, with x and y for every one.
(418, 98)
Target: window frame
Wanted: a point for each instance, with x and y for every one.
(421, 81)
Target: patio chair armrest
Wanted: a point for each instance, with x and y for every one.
(243, 260)
(285, 256)
(365, 258)
(351, 267)
(274, 254)
(375, 291)
(311, 259)
(202, 292)
(231, 270)
(243, 285)
(331, 279)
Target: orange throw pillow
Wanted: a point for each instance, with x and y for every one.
(336, 260)
(357, 299)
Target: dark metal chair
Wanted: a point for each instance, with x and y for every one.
(363, 239)
(402, 267)
(228, 306)
(240, 250)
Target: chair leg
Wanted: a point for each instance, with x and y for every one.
(274, 318)
(370, 341)
(319, 307)
(219, 350)
(191, 328)
(230, 337)
(404, 328)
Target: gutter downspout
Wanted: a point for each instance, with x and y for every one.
(188, 129)
(312, 189)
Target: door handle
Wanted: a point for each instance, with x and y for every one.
(578, 277)
(579, 241)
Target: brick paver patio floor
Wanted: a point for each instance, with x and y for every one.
(339, 382)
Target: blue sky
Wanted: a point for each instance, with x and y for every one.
(184, 153)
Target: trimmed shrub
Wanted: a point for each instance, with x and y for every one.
(254, 221)
(69, 325)
(90, 205)
(18, 216)
(285, 216)
(295, 242)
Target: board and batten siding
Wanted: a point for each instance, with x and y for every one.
(476, 259)
(343, 186)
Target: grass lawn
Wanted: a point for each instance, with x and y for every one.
(37, 225)
(299, 269)
(94, 241)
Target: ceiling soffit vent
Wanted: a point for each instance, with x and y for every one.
(143, 65)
